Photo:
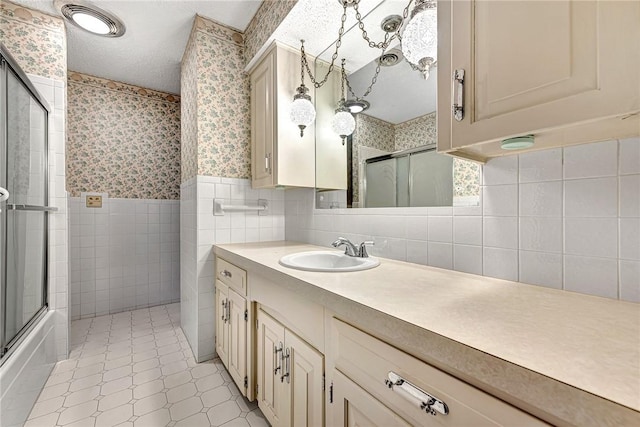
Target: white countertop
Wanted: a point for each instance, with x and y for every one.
(587, 342)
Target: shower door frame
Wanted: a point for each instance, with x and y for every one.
(8, 64)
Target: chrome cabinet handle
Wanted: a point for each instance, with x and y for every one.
(228, 311)
(226, 273)
(458, 94)
(428, 403)
(286, 355)
(278, 357)
(224, 311)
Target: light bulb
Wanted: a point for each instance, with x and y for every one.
(420, 37)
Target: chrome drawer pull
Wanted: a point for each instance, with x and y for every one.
(458, 95)
(226, 273)
(430, 404)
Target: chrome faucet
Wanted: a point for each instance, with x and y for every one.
(352, 250)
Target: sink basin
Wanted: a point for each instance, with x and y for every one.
(330, 261)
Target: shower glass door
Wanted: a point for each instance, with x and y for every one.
(23, 216)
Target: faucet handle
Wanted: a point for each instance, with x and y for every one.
(363, 248)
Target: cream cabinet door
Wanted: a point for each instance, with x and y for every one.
(305, 368)
(237, 339)
(354, 407)
(535, 65)
(263, 111)
(272, 390)
(222, 331)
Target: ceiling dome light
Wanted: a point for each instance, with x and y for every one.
(356, 106)
(420, 36)
(90, 18)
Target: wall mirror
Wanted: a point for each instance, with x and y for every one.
(390, 160)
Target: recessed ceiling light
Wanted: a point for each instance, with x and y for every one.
(356, 106)
(90, 18)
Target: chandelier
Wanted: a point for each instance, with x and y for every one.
(419, 47)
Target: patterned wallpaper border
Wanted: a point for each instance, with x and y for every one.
(31, 16)
(123, 88)
(267, 18)
(37, 41)
(218, 30)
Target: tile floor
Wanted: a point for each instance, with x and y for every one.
(136, 369)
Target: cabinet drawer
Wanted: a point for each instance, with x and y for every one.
(231, 275)
(368, 362)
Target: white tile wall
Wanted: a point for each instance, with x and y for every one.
(124, 255)
(200, 230)
(562, 218)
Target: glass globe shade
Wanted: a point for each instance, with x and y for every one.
(303, 113)
(343, 123)
(420, 37)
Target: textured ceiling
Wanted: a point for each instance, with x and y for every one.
(150, 52)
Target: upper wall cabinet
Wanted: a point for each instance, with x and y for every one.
(566, 72)
(279, 155)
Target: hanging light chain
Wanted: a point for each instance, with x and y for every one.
(374, 79)
(318, 84)
(387, 40)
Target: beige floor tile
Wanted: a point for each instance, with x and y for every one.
(177, 379)
(53, 391)
(88, 370)
(237, 422)
(174, 367)
(185, 408)
(115, 416)
(146, 376)
(144, 355)
(181, 392)
(147, 389)
(86, 361)
(209, 382)
(116, 385)
(256, 419)
(171, 357)
(46, 420)
(198, 420)
(216, 396)
(46, 407)
(82, 396)
(118, 363)
(149, 404)
(204, 369)
(115, 399)
(114, 374)
(59, 378)
(146, 364)
(86, 382)
(157, 418)
(78, 412)
(85, 422)
(223, 413)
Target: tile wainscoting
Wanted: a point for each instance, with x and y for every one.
(123, 256)
(563, 218)
(200, 230)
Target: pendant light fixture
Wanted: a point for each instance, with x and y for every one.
(302, 113)
(420, 36)
(343, 122)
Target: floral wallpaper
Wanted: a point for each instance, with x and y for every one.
(218, 100)
(123, 140)
(416, 132)
(36, 41)
(224, 124)
(376, 133)
(267, 18)
(189, 113)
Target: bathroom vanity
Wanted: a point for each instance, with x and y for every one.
(405, 344)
